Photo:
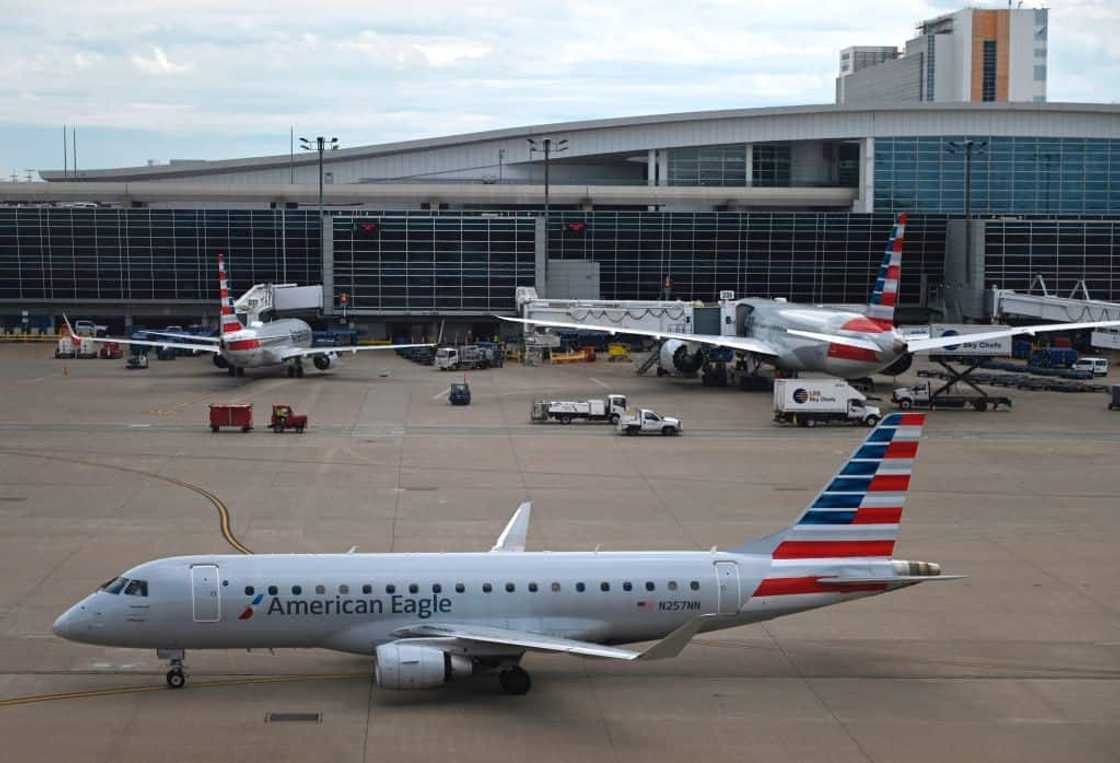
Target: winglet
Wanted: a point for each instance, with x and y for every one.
(513, 537)
(675, 642)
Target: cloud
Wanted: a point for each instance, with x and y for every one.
(159, 63)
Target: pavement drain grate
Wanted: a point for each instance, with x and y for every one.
(293, 718)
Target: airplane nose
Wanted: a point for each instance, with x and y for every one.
(69, 623)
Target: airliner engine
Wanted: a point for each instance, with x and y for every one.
(900, 366)
(323, 362)
(405, 666)
(681, 357)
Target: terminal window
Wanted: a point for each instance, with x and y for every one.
(988, 77)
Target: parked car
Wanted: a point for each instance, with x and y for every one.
(1096, 366)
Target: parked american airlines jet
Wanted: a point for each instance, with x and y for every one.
(428, 619)
(285, 342)
(795, 338)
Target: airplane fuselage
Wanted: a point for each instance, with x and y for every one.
(262, 344)
(769, 321)
(354, 602)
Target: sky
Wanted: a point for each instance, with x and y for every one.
(214, 79)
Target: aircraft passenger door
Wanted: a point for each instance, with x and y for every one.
(727, 580)
(206, 592)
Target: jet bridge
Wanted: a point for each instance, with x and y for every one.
(1052, 308)
(278, 298)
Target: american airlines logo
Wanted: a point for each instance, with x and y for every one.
(423, 608)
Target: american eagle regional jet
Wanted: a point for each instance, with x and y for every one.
(428, 619)
(285, 342)
(795, 338)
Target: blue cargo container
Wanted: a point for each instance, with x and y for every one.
(1054, 357)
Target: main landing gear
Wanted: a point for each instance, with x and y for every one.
(515, 680)
(176, 677)
(295, 370)
(235, 371)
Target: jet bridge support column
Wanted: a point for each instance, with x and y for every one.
(326, 228)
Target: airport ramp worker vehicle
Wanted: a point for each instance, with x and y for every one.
(646, 421)
(460, 394)
(467, 356)
(564, 411)
(808, 402)
(283, 417)
(923, 396)
(231, 415)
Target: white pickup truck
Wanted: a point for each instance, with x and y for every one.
(565, 411)
(645, 421)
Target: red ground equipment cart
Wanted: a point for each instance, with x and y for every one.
(284, 418)
(231, 415)
(110, 351)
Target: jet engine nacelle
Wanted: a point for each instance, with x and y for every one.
(681, 357)
(407, 666)
(323, 362)
(900, 366)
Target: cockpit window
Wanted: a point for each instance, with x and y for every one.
(115, 585)
(136, 588)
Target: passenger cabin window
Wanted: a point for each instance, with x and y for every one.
(390, 588)
(460, 588)
(694, 585)
(510, 587)
(367, 588)
(297, 590)
(532, 588)
(413, 588)
(249, 590)
(136, 588)
(344, 589)
(627, 586)
(487, 588)
(320, 589)
(115, 585)
(437, 588)
(650, 586)
(604, 586)
(556, 588)
(672, 585)
(273, 590)
(581, 587)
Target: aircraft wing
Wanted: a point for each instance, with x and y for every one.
(305, 352)
(670, 646)
(144, 342)
(191, 337)
(512, 538)
(924, 345)
(741, 343)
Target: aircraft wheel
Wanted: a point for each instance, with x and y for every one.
(565, 419)
(176, 679)
(291, 372)
(810, 422)
(299, 372)
(515, 681)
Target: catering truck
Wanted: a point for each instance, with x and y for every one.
(566, 411)
(808, 402)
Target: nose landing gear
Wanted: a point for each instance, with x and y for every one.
(176, 677)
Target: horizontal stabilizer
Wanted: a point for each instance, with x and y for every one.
(513, 537)
(850, 341)
(848, 579)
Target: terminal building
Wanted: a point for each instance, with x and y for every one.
(793, 202)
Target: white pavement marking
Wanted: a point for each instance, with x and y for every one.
(441, 394)
(138, 426)
(601, 384)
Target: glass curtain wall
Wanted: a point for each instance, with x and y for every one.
(1062, 252)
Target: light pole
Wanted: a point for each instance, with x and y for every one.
(319, 144)
(968, 148)
(546, 146)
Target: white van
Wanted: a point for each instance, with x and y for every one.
(1098, 366)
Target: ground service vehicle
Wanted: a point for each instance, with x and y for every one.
(467, 356)
(808, 402)
(923, 396)
(137, 361)
(110, 351)
(1095, 366)
(460, 394)
(1054, 357)
(89, 328)
(611, 409)
(284, 418)
(645, 421)
(231, 415)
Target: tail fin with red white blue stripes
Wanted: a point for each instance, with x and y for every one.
(229, 320)
(858, 512)
(884, 294)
